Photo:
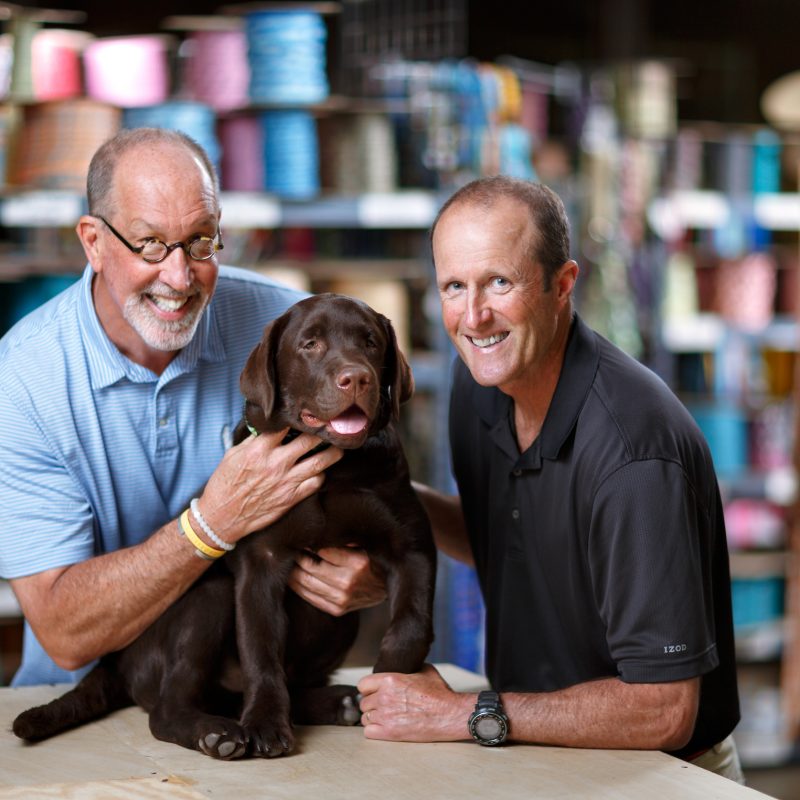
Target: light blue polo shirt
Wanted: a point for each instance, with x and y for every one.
(97, 452)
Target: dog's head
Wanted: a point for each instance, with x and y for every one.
(329, 365)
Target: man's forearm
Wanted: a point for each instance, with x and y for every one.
(607, 713)
(87, 609)
(447, 520)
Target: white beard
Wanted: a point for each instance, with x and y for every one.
(155, 332)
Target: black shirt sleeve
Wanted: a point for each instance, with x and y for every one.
(650, 563)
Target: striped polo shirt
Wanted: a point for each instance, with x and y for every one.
(97, 452)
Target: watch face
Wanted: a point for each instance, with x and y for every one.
(488, 727)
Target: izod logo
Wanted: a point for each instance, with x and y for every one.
(675, 648)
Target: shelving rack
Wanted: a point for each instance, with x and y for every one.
(767, 645)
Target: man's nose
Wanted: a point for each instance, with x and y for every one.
(477, 310)
(177, 271)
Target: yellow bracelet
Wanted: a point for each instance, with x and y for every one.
(203, 550)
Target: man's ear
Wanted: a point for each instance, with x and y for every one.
(566, 278)
(88, 233)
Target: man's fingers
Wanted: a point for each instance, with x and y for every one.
(302, 587)
(353, 557)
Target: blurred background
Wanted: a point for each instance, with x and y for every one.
(671, 131)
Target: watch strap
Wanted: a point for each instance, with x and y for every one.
(488, 699)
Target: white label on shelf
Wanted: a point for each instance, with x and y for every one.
(777, 212)
(780, 486)
(670, 216)
(249, 210)
(44, 208)
(401, 210)
(698, 333)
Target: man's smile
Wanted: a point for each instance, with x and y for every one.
(168, 304)
(489, 340)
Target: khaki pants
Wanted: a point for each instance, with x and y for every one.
(723, 759)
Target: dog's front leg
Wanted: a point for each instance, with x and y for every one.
(410, 584)
(261, 630)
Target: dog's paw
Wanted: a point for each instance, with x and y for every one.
(225, 745)
(349, 712)
(270, 740)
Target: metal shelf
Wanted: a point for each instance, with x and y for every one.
(676, 212)
(412, 210)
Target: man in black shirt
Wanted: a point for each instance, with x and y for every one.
(588, 504)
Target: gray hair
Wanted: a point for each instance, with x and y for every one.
(551, 242)
(100, 178)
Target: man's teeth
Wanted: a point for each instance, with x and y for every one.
(493, 339)
(169, 303)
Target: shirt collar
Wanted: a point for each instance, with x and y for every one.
(107, 365)
(577, 375)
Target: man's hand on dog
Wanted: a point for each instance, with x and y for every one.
(259, 480)
(338, 580)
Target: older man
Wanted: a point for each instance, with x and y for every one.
(117, 403)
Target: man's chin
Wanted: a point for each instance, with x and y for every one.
(163, 338)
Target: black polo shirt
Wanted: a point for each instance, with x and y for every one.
(600, 550)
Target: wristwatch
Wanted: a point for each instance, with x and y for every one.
(488, 723)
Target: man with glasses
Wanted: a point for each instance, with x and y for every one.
(118, 399)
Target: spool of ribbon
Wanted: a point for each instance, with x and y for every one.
(242, 141)
(217, 69)
(129, 71)
(362, 153)
(287, 56)
(56, 63)
(194, 119)
(291, 154)
(55, 142)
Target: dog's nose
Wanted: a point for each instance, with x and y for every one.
(353, 379)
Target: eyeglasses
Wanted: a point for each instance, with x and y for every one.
(201, 248)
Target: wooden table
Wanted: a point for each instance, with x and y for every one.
(117, 757)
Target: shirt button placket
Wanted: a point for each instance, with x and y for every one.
(165, 426)
(515, 514)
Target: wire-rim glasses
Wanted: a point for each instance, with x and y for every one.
(201, 248)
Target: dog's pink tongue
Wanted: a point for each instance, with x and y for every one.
(352, 421)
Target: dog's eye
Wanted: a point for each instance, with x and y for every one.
(371, 342)
(309, 344)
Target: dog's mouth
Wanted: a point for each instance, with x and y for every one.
(351, 422)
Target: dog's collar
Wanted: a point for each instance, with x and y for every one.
(253, 431)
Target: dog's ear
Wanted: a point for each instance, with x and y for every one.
(258, 380)
(397, 378)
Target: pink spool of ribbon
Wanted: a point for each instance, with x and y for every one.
(242, 167)
(56, 63)
(128, 71)
(217, 70)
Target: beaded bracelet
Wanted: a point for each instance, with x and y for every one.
(195, 506)
(200, 547)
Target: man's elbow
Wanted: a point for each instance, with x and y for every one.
(66, 653)
(676, 726)
(677, 735)
(69, 661)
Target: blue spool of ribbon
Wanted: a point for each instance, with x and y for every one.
(291, 154)
(194, 119)
(286, 53)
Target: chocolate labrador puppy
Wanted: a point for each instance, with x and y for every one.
(233, 663)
